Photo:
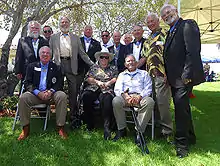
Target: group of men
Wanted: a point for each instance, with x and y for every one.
(152, 68)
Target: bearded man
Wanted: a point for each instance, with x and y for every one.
(28, 49)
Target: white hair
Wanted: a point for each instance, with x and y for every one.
(40, 50)
(165, 6)
(31, 23)
(62, 17)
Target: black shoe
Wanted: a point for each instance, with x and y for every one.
(120, 134)
(181, 153)
(75, 123)
(107, 134)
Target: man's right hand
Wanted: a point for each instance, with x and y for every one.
(19, 76)
(42, 95)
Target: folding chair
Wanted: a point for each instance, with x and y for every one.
(36, 116)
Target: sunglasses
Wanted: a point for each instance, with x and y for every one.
(47, 31)
(105, 35)
(104, 57)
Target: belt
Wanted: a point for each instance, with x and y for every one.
(65, 58)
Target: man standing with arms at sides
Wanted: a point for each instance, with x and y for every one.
(90, 45)
(106, 42)
(136, 46)
(127, 39)
(28, 49)
(184, 69)
(66, 49)
(153, 56)
(47, 32)
(118, 50)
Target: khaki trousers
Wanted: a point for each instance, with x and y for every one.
(144, 112)
(27, 100)
(163, 96)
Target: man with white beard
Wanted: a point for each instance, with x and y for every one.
(67, 51)
(28, 49)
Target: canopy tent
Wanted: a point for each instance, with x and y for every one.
(210, 59)
(207, 15)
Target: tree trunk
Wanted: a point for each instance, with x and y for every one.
(16, 23)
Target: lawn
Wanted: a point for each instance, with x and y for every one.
(83, 148)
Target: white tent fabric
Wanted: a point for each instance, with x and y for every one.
(207, 15)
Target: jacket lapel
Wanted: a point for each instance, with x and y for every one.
(29, 41)
(38, 74)
(171, 35)
(83, 43)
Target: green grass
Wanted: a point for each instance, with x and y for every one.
(82, 148)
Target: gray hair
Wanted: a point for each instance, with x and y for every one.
(40, 50)
(153, 15)
(130, 55)
(33, 22)
(165, 6)
(62, 17)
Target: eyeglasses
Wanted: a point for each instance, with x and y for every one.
(105, 35)
(47, 31)
(104, 57)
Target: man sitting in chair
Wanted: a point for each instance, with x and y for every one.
(100, 81)
(42, 82)
(133, 88)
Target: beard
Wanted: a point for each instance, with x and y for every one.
(170, 19)
(34, 35)
(64, 29)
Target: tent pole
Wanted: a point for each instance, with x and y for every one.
(178, 8)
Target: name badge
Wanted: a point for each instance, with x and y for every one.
(37, 69)
(159, 43)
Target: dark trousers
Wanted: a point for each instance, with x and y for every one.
(105, 99)
(183, 118)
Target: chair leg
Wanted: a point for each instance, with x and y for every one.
(15, 119)
(153, 126)
(46, 118)
(144, 147)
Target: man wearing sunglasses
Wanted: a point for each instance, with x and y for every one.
(47, 32)
(106, 42)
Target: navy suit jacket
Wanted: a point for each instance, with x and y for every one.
(121, 57)
(32, 79)
(182, 54)
(129, 50)
(25, 53)
(93, 48)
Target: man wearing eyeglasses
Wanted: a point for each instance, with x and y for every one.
(184, 69)
(47, 32)
(106, 42)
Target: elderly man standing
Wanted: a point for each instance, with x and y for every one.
(184, 69)
(127, 39)
(136, 46)
(118, 50)
(133, 88)
(67, 50)
(28, 49)
(43, 83)
(90, 45)
(152, 53)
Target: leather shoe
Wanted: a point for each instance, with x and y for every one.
(120, 134)
(61, 132)
(25, 133)
(181, 153)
